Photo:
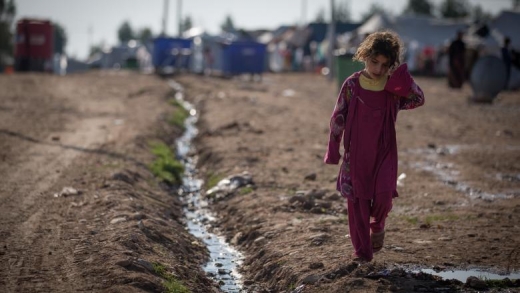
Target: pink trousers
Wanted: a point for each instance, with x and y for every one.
(365, 216)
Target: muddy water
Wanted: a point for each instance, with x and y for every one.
(449, 172)
(463, 275)
(224, 259)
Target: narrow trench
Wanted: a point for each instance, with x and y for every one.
(224, 259)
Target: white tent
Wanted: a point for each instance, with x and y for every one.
(375, 23)
(508, 24)
(427, 31)
(417, 32)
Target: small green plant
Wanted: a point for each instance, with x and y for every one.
(171, 284)
(165, 166)
(342, 219)
(440, 218)
(213, 180)
(411, 220)
(179, 114)
(245, 190)
(493, 283)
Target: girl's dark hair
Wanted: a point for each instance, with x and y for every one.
(386, 43)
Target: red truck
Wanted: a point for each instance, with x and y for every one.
(34, 43)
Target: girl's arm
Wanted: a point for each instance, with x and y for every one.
(414, 99)
(401, 83)
(337, 125)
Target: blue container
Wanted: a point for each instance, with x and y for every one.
(171, 52)
(243, 57)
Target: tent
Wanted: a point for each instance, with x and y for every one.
(508, 24)
(422, 35)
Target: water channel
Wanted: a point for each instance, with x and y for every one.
(224, 259)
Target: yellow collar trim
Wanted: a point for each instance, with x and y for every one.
(372, 84)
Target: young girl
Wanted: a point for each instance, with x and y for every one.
(365, 115)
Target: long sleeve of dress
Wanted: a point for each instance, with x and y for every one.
(414, 99)
(401, 84)
(337, 126)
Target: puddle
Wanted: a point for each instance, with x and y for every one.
(224, 259)
(463, 275)
(448, 173)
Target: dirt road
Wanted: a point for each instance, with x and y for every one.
(81, 211)
(459, 188)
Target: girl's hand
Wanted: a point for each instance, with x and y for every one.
(391, 71)
(400, 81)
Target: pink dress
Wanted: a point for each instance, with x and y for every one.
(366, 121)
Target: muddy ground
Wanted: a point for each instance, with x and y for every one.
(123, 230)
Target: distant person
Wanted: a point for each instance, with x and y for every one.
(208, 61)
(456, 55)
(507, 58)
(365, 116)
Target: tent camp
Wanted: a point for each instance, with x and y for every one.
(419, 33)
(508, 24)
(488, 38)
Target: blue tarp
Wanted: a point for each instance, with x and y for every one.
(243, 57)
(171, 52)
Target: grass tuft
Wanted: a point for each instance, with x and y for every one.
(245, 190)
(179, 114)
(213, 180)
(165, 166)
(171, 284)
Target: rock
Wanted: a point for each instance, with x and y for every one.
(222, 272)
(318, 240)
(476, 283)
(425, 226)
(124, 263)
(334, 197)
(237, 239)
(297, 198)
(123, 177)
(445, 239)
(118, 220)
(311, 279)
(318, 210)
(67, 191)
(138, 216)
(311, 176)
(145, 264)
(325, 205)
(309, 204)
(342, 271)
(356, 283)
(260, 240)
(316, 265)
(319, 194)
(438, 268)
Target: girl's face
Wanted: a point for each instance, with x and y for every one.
(377, 67)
